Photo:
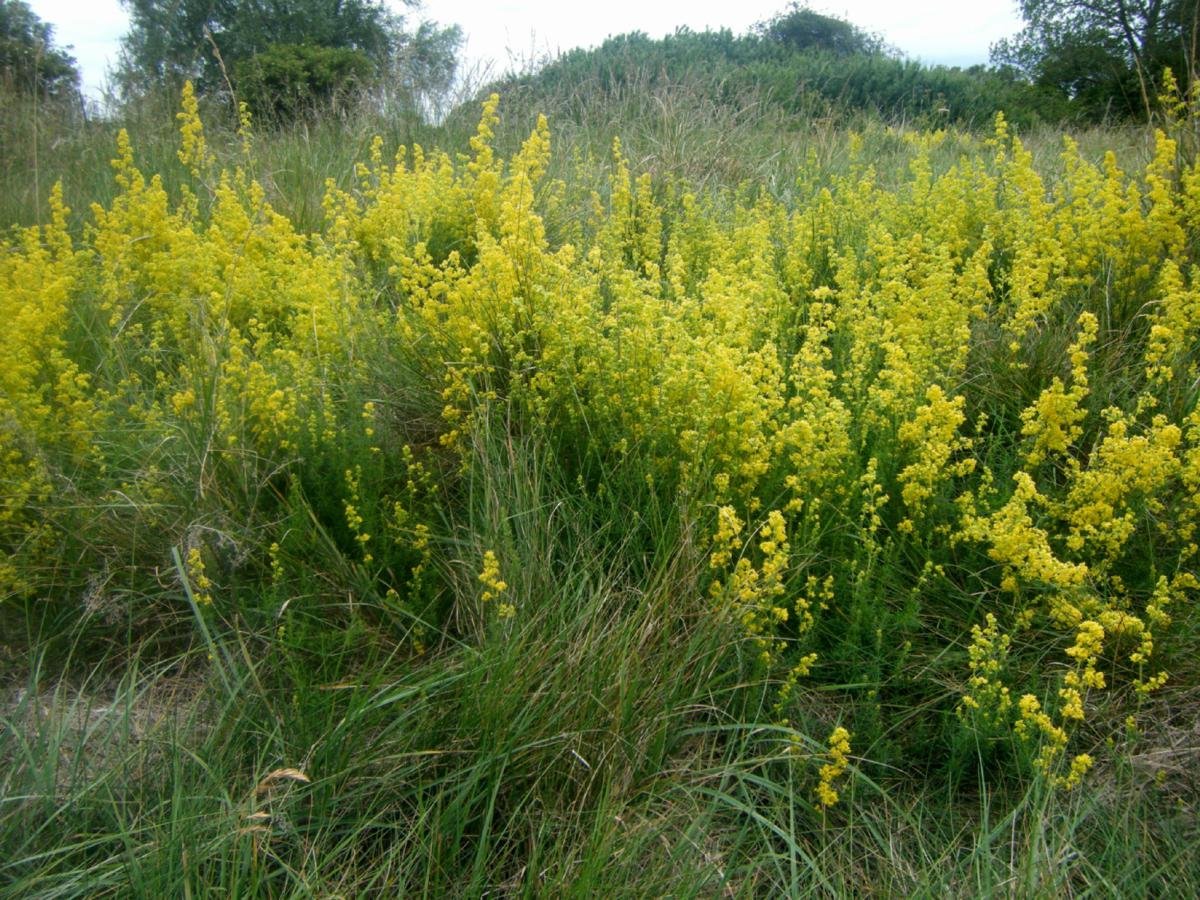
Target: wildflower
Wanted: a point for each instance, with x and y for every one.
(987, 655)
(1080, 766)
(839, 759)
(489, 577)
(201, 584)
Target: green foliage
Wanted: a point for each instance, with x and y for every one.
(286, 57)
(423, 70)
(173, 40)
(837, 71)
(800, 28)
(29, 61)
(287, 79)
(1105, 56)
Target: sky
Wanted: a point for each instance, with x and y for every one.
(510, 33)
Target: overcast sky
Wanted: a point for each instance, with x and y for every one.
(511, 32)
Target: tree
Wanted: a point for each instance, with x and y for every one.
(424, 66)
(800, 28)
(29, 61)
(1106, 55)
(173, 40)
(211, 41)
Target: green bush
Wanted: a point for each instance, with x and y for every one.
(288, 80)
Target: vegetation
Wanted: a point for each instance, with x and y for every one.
(171, 42)
(282, 58)
(798, 64)
(29, 61)
(1075, 61)
(1107, 56)
(672, 496)
(800, 29)
(287, 79)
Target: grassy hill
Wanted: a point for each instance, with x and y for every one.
(800, 64)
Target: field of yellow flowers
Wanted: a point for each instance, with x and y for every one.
(615, 505)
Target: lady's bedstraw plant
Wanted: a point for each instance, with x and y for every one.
(494, 587)
(835, 768)
(787, 382)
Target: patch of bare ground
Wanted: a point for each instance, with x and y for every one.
(1167, 754)
(79, 730)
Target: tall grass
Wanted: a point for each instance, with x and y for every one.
(812, 82)
(601, 744)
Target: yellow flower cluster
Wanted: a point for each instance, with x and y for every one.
(1020, 545)
(46, 407)
(354, 519)
(756, 593)
(932, 438)
(839, 761)
(200, 583)
(494, 587)
(193, 149)
(1053, 422)
(986, 693)
(1123, 467)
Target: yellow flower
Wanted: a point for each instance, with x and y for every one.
(839, 759)
(201, 584)
(489, 577)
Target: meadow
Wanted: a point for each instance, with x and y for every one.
(664, 498)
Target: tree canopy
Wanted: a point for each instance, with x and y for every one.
(800, 28)
(29, 60)
(305, 49)
(1106, 55)
(173, 40)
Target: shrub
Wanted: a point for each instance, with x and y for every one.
(287, 80)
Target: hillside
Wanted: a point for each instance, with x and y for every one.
(800, 64)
